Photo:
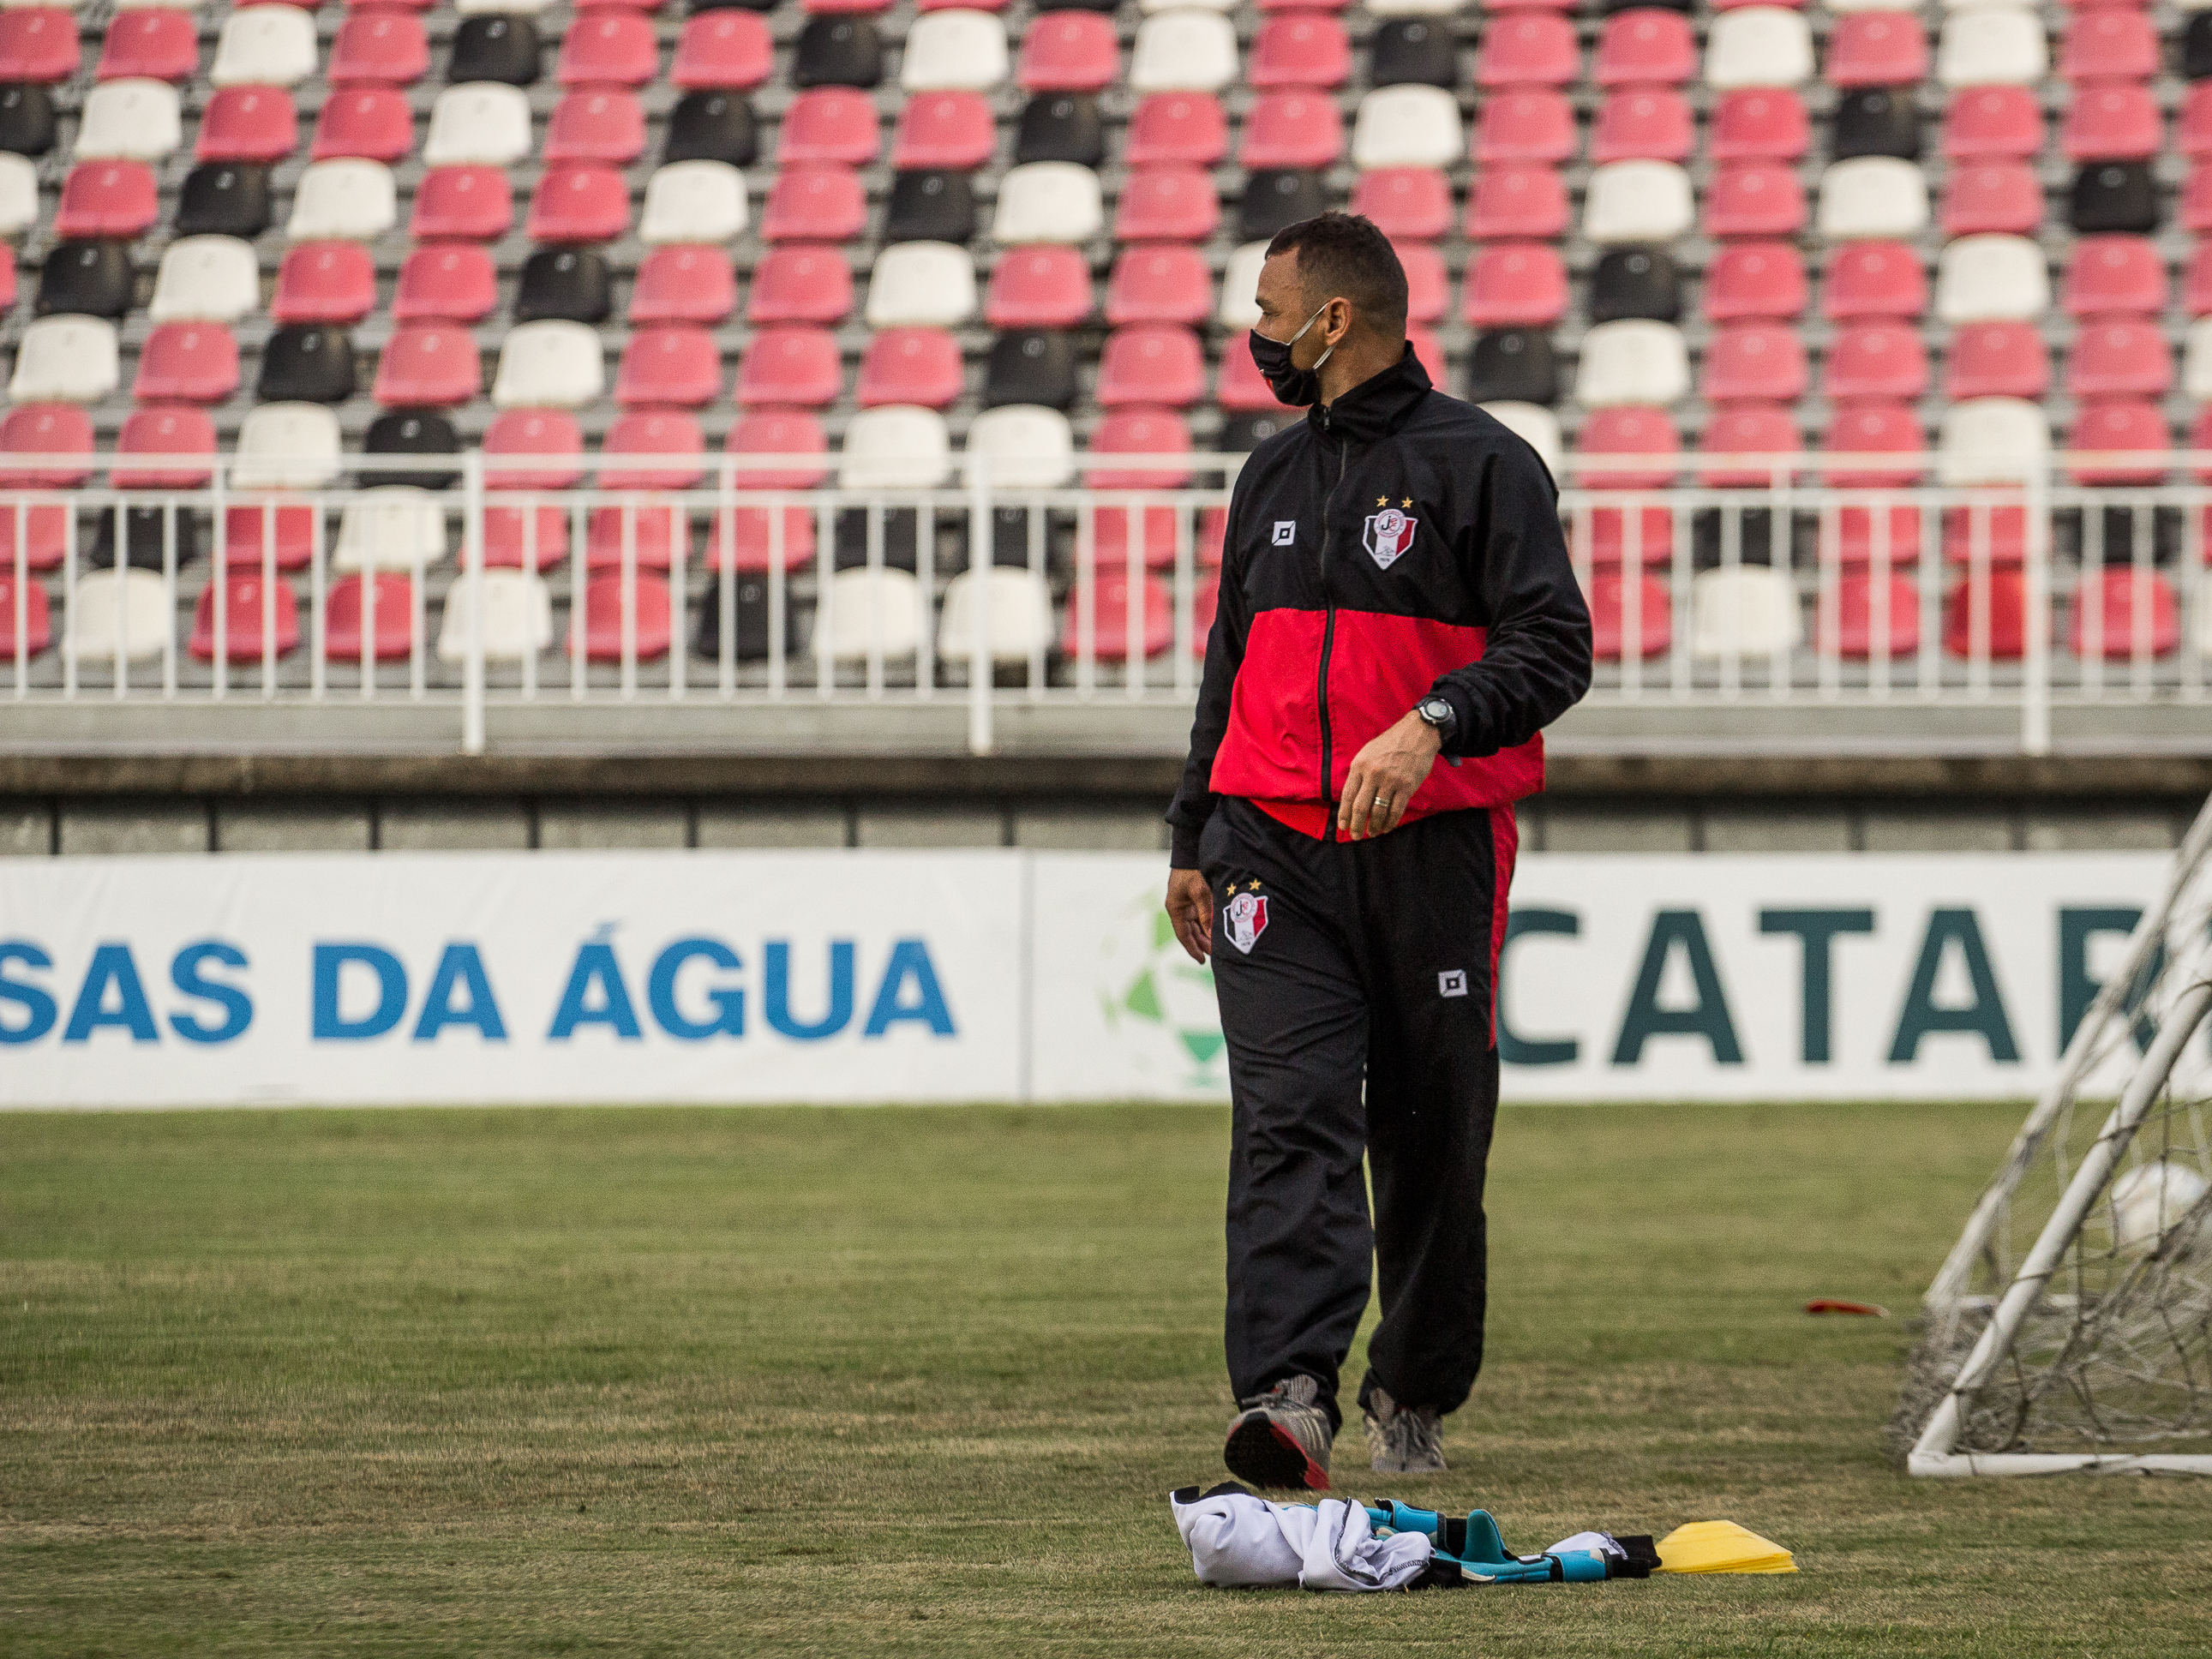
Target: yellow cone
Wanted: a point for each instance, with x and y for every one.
(1720, 1546)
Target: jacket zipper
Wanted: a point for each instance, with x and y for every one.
(1327, 632)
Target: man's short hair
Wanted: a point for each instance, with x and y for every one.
(1343, 254)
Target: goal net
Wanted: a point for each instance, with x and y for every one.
(2071, 1326)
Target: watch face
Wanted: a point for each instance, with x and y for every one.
(1435, 711)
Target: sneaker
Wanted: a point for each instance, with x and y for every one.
(1403, 1439)
(1281, 1437)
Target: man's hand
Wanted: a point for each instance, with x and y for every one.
(1190, 907)
(1383, 777)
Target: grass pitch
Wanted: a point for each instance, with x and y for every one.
(917, 1381)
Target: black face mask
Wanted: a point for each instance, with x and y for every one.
(1290, 384)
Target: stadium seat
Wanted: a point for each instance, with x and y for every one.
(710, 125)
(596, 124)
(1864, 617)
(1755, 279)
(260, 618)
(644, 533)
(1017, 619)
(1874, 279)
(1023, 447)
(1525, 123)
(1149, 536)
(765, 432)
(1098, 618)
(930, 206)
(1240, 278)
(1874, 429)
(731, 52)
(1167, 203)
(1753, 430)
(1998, 123)
(122, 613)
(1069, 51)
(834, 124)
(462, 203)
(1991, 45)
(1876, 359)
(665, 447)
(37, 44)
(1758, 124)
(212, 278)
(452, 280)
(246, 123)
(222, 200)
(672, 364)
(1527, 49)
(1047, 202)
(1754, 198)
(1758, 46)
(2119, 357)
(483, 123)
(1877, 49)
(1986, 616)
(608, 48)
(1413, 52)
(566, 284)
(1410, 204)
(1031, 366)
(428, 366)
(2111, 123)
(1183, 51)
(1177, 127)
(1158, 432)
(1991, 441)
(921, 284)
(1872, 197)
(554, 365)
(391, 527)
(1650, 123)
(1635, 281)
(27, 120)
(2122, 196)
(919, 366)
(1756, 360)
(2109, 43)
(1296, 128)
(2197, 361)
(943, 129)
(2193, 130)
(1875, 121)
(1536, 427)
(114, 199)
(1629, 616)
(1513, 201)
(397, 435)
(1635, 202)
(192, 362)
(869, 613)
(1747, 611)
(1635, 362)
(1995, 360)
(895, 448)
(517, 611)
(501, 47)
(155, 44)
(1299, 49)
(1150, 284)
(1645, 46)
(351, 200)
(957, 51)
(1515, 285)
(1628, 430)
(547, 437)
(1513, 365)
(1047, 286)
(370, 617)
(1151, 363)
(583, 203)
(166, 432)
(2000, 278)
(692, 201)
(306, 363)
(47, 430)
(2196, 283)
(131, 120)
(2131, 431)
(65, 360)
(1407, 127)
(791, 364)
(88, 279)
(35, 632)
(270, 45)
(373, 122)
(1992, 198)
(380, 46)
(2117, 613)
(744, 539)
(815, 204)
(267, 532)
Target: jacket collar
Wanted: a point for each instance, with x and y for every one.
(1377, 406)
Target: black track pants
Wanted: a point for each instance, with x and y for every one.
(1357, 1005)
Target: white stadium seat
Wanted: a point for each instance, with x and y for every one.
(502, 7)
(896, 447)
(1987, 441)
(1872, 197)
(1842, 6)
(864, 613)
(287, 446)
(344, 201)
(548, 365)
(1991, 278)
(1749, 612)
(517, 617)
(1239, 278)
(1047, 202)
(128, 120)
(1634, 362)
(478, 123)
(70, 359)
(1019, 616)
(1023, 446)
(129, 608)
(955, 50)
(264, 46)
(1758, 46)
(1415, 8)
(922, 285)
(1992, 45)
(19, 194)
(392, 527)
(693, 202)
(1407, 127)
(1533, 424)
(208, 279)
(1184, 50)
(2197, 362)
(1638, 201)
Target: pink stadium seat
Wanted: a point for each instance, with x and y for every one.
(1874, 279)
(350, 632)
(2111, 607)
(465, 204)
(1529, 49)
(2131, 430)
(1755, 279)
(1625, 429)
(1759, 124)
(744, 540)
(263, 533)
(596, 124)
(579, 203)
(2196, 283)
(642, 533)
(1515, 285)
(2192, 131)
(2197, 198)
(1428, 289)
(801, 282)
(1174, 204)
(1866, 616)
(549, 436)
(815, 204)
(376, 124)
(108, 199)
(792, 432)
(1292, 128)
(675, 363)
(1995, 360)
(1761, 361)
(1299, 49)
(725, 49)
(44, 533)
(259, 616)
(325, 283)
(1645, 46)
(1428, 351)
(428, 366)
(247, 123)
(1877, 49)
(380, 46)
(613, 626)
(1239, 388)
(2112, 122)
(156, 44)
(507, 532)
(1875, 358)
(2115, 276)
(2000, 197)
(1139, 432)
(1177, 127)
(956, 5)
(911, 366)
(951, 129)
(1754, 198)
(1609, 596)
(653, 435)
(2109, 43)
(694, 284)
(1048, 286)
(1069, 51)
(168, 430)
(829, 123)
(1114, 528)
(7, 276)
(47, 429)
(1520, 202)
(792, 363)
(1992, 531)
(37, 617)
(1644, 124)
(2119, 357)
(1414, 202)
(1525, 125)
(1103, 616)
(1874, 429)
(1993, 123)
(604, 5)
(1160, 283)
(38, 43)
(455, 282)
(1989, 613)
(851, 7)
(187, 363)
(1212, 541)
(1152, 363)
(614, 48)
(1266, 7)
(1760, 429)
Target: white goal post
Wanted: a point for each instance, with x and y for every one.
(2093, 1350)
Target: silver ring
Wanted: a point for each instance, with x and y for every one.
(1379, 799)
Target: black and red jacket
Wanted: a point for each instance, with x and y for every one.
(1395, 542)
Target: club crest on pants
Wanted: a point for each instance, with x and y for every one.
(1388, 534)
(1246, 918)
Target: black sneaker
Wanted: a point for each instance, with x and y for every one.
(1281, 1437)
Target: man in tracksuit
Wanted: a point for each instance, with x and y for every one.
(1397, 622)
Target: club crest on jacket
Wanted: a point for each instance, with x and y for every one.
(1246, 916)
(1388, 534)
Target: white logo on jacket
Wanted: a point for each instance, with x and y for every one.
(1246, 918)
(1286, 531)
(1388, 534)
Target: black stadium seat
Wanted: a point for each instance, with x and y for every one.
(224, 198)
(930, 205)
(2114, 197)
(91, 279)
(711, 126)
(309, 364)
(1060, 126)
(1031, 366)
(1242, 434)
(2196, 47)
(495, 48)
(569, 283)
(144, 539)
(1277, 198)
(838, 52)
(1513, 365)
(1635, 281)
(27, 120)
(749, 596)
(411, 432)
(1413, 50)
(1877, 121)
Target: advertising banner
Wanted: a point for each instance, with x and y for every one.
(998, 975)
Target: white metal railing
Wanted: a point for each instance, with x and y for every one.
(2017, 593)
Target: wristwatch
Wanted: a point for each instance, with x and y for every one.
(1437, 712)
